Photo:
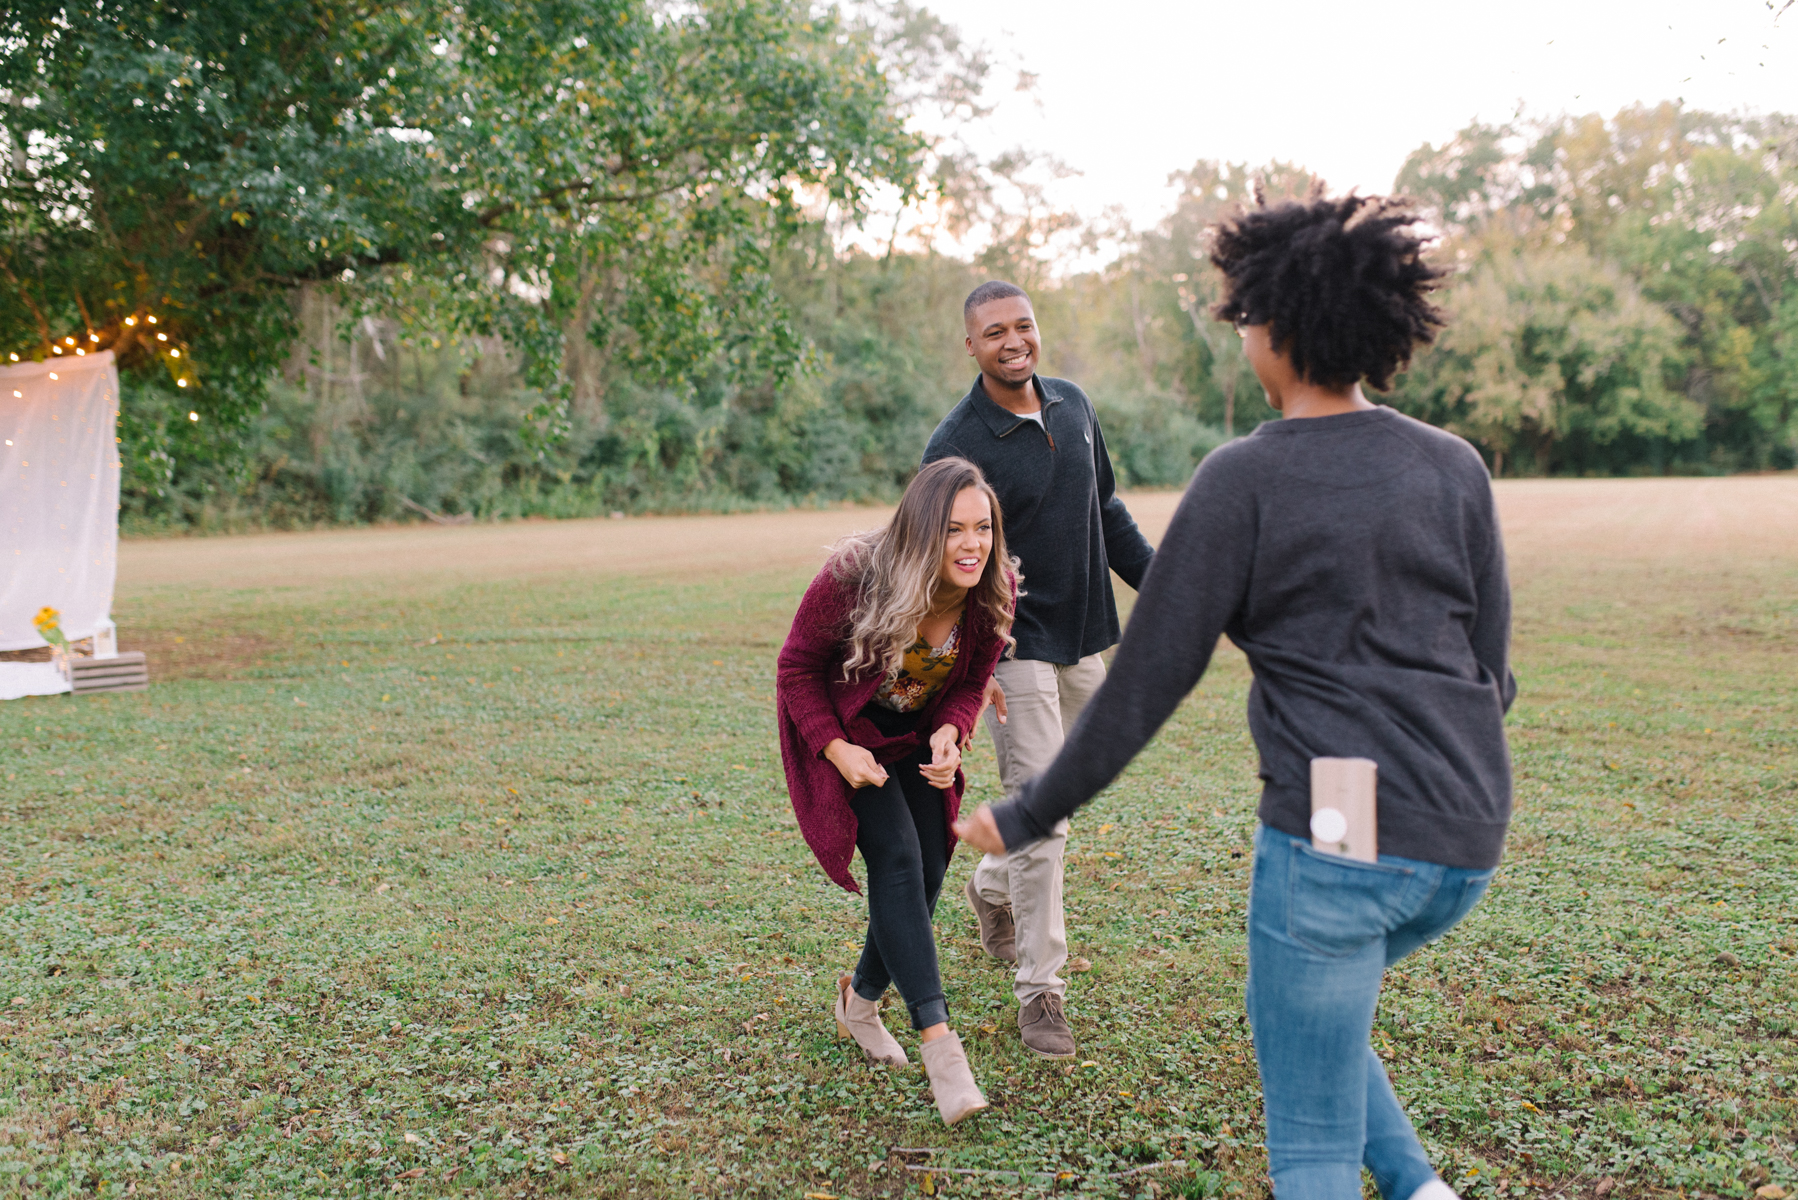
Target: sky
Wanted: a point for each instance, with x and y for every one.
(1127, 92)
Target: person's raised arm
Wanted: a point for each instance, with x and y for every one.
(1127, 550)
(1197, 585)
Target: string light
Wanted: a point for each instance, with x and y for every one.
(183, 383)
(54, 375)
(95, 340)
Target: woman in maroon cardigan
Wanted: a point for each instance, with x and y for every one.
(880, 683)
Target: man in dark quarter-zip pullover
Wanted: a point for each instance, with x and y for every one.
(1038, 442)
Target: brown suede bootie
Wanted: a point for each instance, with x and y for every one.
(998, 929)
(951, 1080)
(860, 1019)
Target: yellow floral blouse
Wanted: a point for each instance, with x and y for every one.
(923, 670)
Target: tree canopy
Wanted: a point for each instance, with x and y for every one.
(587, 178)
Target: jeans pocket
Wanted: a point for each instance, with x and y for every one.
(1336, 906)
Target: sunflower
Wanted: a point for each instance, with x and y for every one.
(49, 625)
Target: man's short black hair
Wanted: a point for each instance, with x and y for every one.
(992, 289)
(1342, 284)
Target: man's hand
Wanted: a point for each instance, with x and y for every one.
(856, 764)
(981, 831)
(945, 757)
(995, 696)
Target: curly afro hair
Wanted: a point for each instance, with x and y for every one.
(1342, 284)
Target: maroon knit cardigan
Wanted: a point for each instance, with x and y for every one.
(815, 705)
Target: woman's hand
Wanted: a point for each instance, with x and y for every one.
(945, 757)
(855, 763)
(981, 831)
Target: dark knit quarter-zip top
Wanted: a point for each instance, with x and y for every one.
(1063, 517)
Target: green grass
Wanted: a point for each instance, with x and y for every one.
(339, 910)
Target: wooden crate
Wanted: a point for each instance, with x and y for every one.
(126, 673)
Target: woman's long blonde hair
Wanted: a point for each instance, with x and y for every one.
(897, 569)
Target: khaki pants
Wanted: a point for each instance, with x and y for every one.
(1042, 700)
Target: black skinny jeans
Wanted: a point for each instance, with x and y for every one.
(903, 836)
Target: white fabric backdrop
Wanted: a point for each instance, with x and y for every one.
(59, 495)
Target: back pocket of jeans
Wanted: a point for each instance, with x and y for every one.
(1336, 905)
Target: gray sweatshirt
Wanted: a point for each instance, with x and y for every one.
(1356, 561)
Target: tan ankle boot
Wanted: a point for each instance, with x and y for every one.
(860, 1019)
(951, 1082)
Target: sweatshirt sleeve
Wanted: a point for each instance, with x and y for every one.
(1127, 551)
(1197, 584)
(1491, 636)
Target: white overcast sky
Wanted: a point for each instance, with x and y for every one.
(1130, 90)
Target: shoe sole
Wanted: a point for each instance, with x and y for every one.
(1047, 1057)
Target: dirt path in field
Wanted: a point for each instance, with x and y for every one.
(1712, 521)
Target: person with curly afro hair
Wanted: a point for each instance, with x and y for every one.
(1338, 288)
(1353, 555)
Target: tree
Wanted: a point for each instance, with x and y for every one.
(594, 174)
(1698, 209)
(1550, 358)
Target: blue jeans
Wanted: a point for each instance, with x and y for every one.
(1322, 930)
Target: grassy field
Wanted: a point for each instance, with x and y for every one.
(451, 861)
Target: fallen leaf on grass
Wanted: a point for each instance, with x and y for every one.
(551, 921)
(1079, 965)
(414, 1139)
(1770, 1191)
(560, 1159)
(414, 1173)
(820, 1196)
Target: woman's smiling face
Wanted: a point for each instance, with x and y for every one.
(970, 540)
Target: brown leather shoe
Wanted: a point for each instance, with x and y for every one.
(998, 931)
(1045, 1029)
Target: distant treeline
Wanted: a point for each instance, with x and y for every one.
(481, 259)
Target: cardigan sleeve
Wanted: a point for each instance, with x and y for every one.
(813, 649)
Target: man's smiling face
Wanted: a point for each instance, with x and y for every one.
(1003, 339)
